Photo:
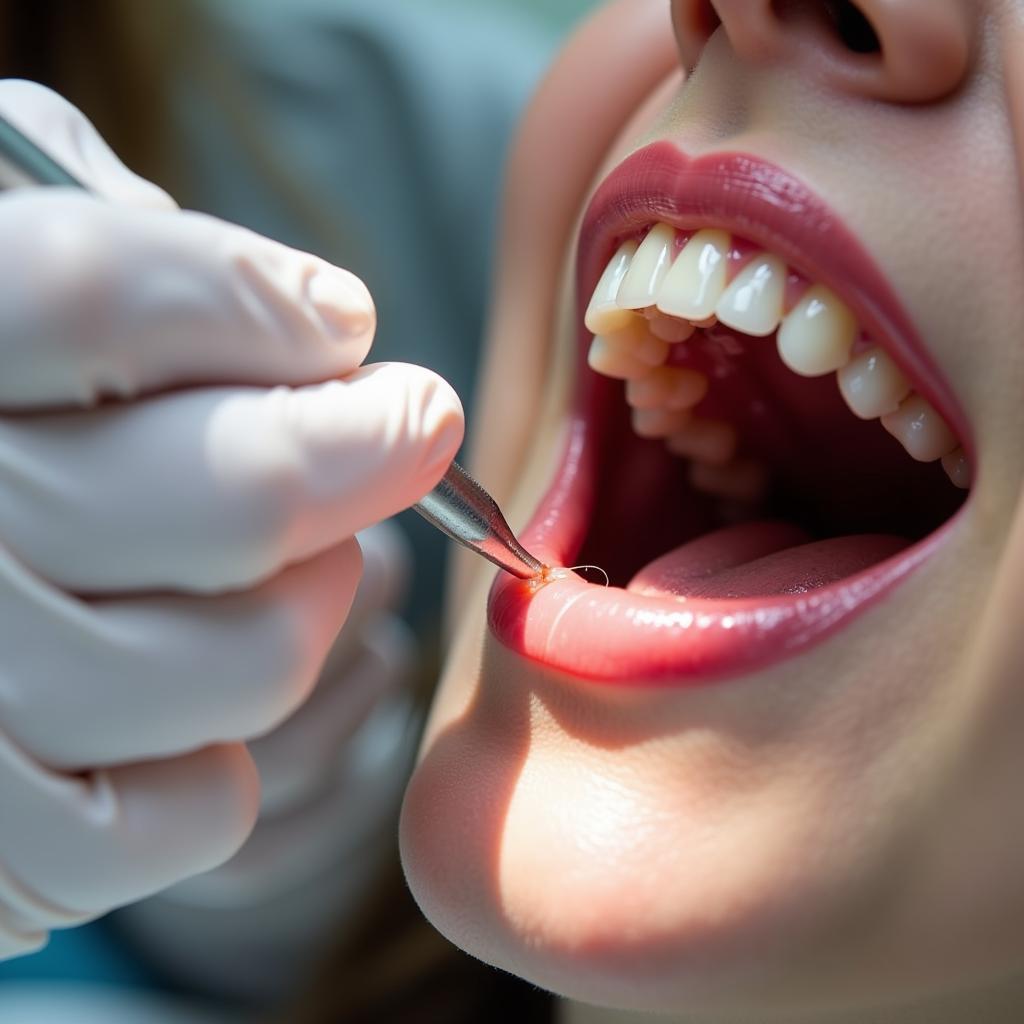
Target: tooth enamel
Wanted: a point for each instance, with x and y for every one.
(872, 384)
(668, 328)
(659, 422)
(753, 302)
(603, 315)
(817, 335)
(611, 360)
(815, 338)
(957, 468)
(920, 429)
(740, 479)
(648, 269)
(644, 345)
(667, 387)
(695, 283)
(631, 352)
(711, 441)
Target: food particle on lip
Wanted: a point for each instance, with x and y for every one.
(553, 573)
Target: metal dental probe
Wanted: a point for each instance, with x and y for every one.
(461, 508)
(458, 506)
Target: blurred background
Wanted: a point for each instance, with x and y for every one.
(370, 132)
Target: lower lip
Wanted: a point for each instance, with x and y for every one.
(610, 635)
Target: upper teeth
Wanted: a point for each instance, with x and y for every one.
(677, 289)
(694, 284)
(818, 334)
(647, 269)
(753, 302)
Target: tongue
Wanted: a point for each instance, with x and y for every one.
(758, 559)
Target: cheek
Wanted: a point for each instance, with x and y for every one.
(652, 873)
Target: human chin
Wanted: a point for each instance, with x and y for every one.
(714, 783)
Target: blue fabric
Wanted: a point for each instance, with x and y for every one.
(90, 953)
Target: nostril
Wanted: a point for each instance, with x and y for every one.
(706, 18)
(843, 18)
(852, 27)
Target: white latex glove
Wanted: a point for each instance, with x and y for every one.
(173, 567)
(333, 775)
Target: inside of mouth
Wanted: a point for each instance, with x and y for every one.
(808, 494)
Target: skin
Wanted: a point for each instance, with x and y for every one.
(839, 837)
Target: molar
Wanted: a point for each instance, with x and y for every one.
(872, 384)
(648, 269)
(603, 316)
(753, 302)
(957, 468)
(920, 429)
(817, 335)
(692, 287)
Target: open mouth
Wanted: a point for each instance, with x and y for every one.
(761, 446)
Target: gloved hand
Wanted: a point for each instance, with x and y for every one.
(174, 565)
(332, 779)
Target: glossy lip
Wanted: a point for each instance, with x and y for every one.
(611, 635)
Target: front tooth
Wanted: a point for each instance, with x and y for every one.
(668, 387)
(695, 283)
(872, 384)
(920, 429)
(648, 269)
(753, 302)
(957, 468)
(712, 441)
(626, 354)
(818, 334)
(603, 315)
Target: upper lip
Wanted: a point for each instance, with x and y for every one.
(615, 635)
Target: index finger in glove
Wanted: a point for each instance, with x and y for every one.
(63, 132)
(217, 489)
(98, 301)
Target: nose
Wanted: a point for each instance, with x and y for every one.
(900, 51)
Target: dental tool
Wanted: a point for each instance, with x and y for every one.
(458, 506)
(461, 508)
(22, 162)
